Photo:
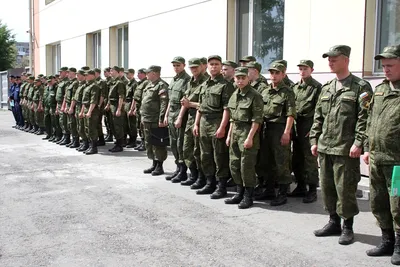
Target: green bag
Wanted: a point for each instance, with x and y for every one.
(395, 188)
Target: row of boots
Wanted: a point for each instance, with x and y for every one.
(29, 128)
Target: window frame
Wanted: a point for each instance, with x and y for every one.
(124, 49)
(96, 49)
(56, 57)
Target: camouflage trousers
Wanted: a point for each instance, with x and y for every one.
(25, 113)
(139, 125)
(63, 121)
(339, 179)
(191, 146)
(71, 121)
(55, 121)
(102, 112)
(39, 115)
(153, 152)
(80, 123)
(305, 165)
(242, 161)
(130, 123)
(176, 136)
(31, 114)
(384, 207)
(108, 121)
(91, 123)
(47, 121)
(214, 152)
(118, 122)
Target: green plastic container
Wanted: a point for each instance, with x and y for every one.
(396, 181)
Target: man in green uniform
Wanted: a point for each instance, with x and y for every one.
(31, 113)
(71, 119)
(137, 96)
(77, 104)
(204, 66)
(107, 113)
(116, 99)
(246, 115)
(286, 80)
(21, 97)
(47, 116)
(176, 91)
(90, 111)
(122, 76)
(305, 165)
(245, 60)
(38, 106)
(382, 153)
(191, 146)
(24, 102)
(130, 122)
(62, 85)
(153, 111)
(228, 70)
(337, 136)
(103, 91)
(211, 124)
(51, 99)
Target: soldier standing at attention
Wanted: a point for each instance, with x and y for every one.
(31, 91)
(246, 115)
(90, 111)
(122, 76)
(286, 80)
(191, 146)
(137, 96)
(153, 111)
(103, 91)
(176, 91)
(211, 123)
(245, 60)
(116, 99)
(228, 70)
(108, 116)
(204, 66)
(130, 122)
(69, 93)
(337, 137)
(60, 98)
(54, 121)
(383, 153)
(305, 165)
(47, 116)
(77, 103)
(38, 109)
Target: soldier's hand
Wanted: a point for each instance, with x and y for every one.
(196, 130)
(366, 158)
(56, 112)
(285, 139)
(88, 115)
(81, 115)
(228, 141)
(314, 150)
(185, 102)
(161, 124)
(248, 143)
(355, 151)
(220, 133)
(70, 112)
(134, 112)
(178, 123)
(118, 113)
(107, 108)
(166, 120)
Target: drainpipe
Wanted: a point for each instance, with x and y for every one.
(30, 36)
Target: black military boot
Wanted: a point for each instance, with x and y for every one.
(123, 142)
(386, 247)
(210, 186)
(258, 190)
(66, 141)
(109, 138)
(311, 195)
(175, 173)
(237, 198)
(101, 141)
(71, 142)
(333, 227)
(26, 127)
(51, 138)
(84, 146)
(89, 147)
(151, 169)
(93, 148)
(281, 198)
(347, 236)
(159, 169)
(40, 131)
(221, 189)
(47, 137)
(142, 147)
(75, 142)
(247, 200)
(395, 260)
(62, 139)
(299, 191)
(118, 147)
(182, 175)
(194, 174)
(200, 182)
(34, 129)
(268, 193)
(59, 139)
(131, 143)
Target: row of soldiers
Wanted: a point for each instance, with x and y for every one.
(230, 122)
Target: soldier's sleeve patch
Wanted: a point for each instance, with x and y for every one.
(162, 91)
(379, 93)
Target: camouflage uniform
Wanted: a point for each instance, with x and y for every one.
(78, 106)
(36, 99)
(130, 123)
(91, 95)
(103, 93)
(117, 91)
(59, 98)
(137, 96)
(71, 119)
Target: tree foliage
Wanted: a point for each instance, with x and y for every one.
(8, 51)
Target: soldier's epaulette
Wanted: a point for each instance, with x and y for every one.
(362, 82)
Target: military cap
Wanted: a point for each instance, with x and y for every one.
(153, 68)
(38, 80)
(85, 68)
(12, 76)
(389, 52)
(306, 63)
(241, 71)
(72, 69)
(121, 69)
(97, 70)
(178, 60)
(81, 72)
(338, 50)
(49, 78)
(31, 78)
(116, 68)
(107, 69)
(281, 61)
(194, 62)
(130, 71)
(230, 63)
(40, 75)
(90, 72)
(64, 69)
(247, 59)
(254, 65)
(57, 75)
(142, 70)
(214, 57)
(277, 66)
(203, 60)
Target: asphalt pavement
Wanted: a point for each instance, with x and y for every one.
(59, 207)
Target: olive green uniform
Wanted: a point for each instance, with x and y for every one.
(108, 115)
(176, 91)
(37, 97)
(339, 122)
(153, 108)
(245, 107)
(22, 96)
(60, 98)
(91, 95)
(103, 93)
(31, 113)
(117, 91)
(130, 121)
(71, 119)
(214, 98)
(54, 121)
(305, 165)
(78, 106)
(137, 96)
(47, 115)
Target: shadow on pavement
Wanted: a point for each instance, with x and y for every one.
(366, 239)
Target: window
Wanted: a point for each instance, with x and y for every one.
(260, 26)
(56, 57)
(96, 56)
(388, 26)
(123, 46)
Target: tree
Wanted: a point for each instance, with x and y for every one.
(8, 52)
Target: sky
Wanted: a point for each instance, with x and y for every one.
(15, 14)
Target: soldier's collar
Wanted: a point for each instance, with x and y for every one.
(200, 78)
(244, 91)
(281, 85)
(217, 78)
(180, 75)
(307, 81)
(156, 81)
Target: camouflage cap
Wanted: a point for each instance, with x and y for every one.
(38, 80)
(64, 69)
(247, 59)
(130, 71)
(203, 60)
(338, 50)
(116, 68)
(214, 57)
(306, 63)
(49, 78)
(90, 72)
(241, 71)
(107, 69)
(85, 68)
(97, 70)
(40, 75)
(72, 69)
(178, 60)
(277, 66)
(57, 75)
(153, 68)
(230, 63)
(389, 52)
(31, 78)
(254, 65)
(142, 70)
(281, 61)
(82, 72)
(121, 69)
(194, 62)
